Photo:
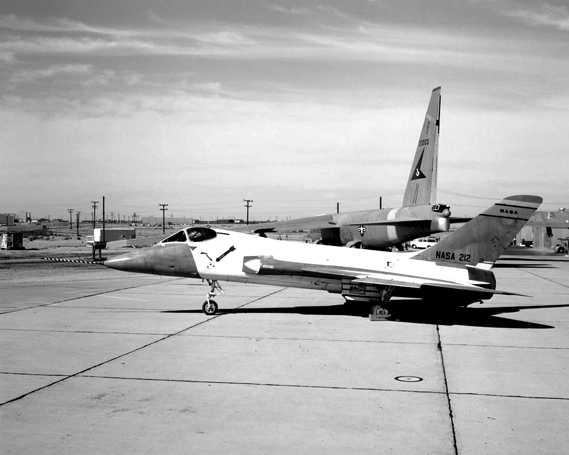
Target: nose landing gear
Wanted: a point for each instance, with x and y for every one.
(210, 306)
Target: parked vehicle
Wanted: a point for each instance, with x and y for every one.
(562, 246)
(421, 244)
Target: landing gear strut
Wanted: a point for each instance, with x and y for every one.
(379, 312)
(210, 306)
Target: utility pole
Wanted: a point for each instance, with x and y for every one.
(103, 221)
(163, 217)
(70, 218)
(78, 213)
(94, 212)
(337, 207)
(248, 206)
(380, 203)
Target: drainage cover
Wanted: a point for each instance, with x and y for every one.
(408, 379)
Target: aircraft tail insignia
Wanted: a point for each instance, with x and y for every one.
(418, 174)
(422, 182)
(482, 240)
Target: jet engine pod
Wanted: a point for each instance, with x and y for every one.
(268, 265)
(251, 264)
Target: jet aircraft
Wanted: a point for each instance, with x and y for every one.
(419, 216)
(456, 271)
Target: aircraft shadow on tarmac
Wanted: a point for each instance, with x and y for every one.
(524, 266)
(529, 262)
(413, 311)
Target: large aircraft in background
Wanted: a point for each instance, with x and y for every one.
(454, 272)
(419, 216)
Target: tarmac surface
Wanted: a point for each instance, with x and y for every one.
(94, 361)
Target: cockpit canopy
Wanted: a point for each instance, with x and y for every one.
(194, 234)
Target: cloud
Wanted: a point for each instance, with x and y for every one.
(540, 15)
(51, 71)
(53, 25)
(7, 57)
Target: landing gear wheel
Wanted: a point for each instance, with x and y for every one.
(209, 307)
(379, 313)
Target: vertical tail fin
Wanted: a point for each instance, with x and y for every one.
(422, 183)
(482, 240)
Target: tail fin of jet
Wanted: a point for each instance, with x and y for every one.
(482, 240)
(422, 184)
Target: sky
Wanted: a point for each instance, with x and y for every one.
(294, 105)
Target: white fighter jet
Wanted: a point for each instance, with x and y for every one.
(455, 271)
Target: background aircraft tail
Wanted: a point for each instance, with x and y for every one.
(482, 240)
(422, 183)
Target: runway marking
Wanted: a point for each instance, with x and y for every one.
(124, 298)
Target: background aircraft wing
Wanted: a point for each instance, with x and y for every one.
(300, 224)
(396, 222)
(136, 243)
(457, 219)
(405, 222)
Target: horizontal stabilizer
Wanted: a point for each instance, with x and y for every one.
(433, 284)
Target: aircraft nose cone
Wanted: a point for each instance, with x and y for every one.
(130, 262)
(171, 259)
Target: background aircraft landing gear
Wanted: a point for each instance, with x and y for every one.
(210, 307)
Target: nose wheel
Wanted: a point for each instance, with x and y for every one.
(210, 306)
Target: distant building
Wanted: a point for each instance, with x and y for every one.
(157, 221)
(7, 219)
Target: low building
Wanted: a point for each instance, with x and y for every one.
(11, 240)
(110, 235)
(7, 219)
(545, 229)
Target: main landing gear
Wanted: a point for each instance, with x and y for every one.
(210, 306)
(379, 311)
(376, 299)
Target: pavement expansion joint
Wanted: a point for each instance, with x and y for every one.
(547, 279)
(451, 415)
(498, 395)
(260, 384)
(340, 340)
